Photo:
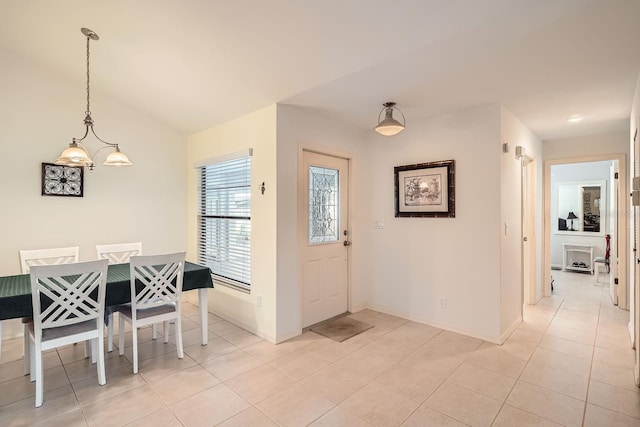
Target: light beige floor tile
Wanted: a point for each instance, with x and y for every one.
(191, 337)
(558, 380)
(183, 384)
(425, 416)
(588, 318)
(223, 328)
(452, 343)
(536, 321)
(89, 391)
(564, 346)
(299, 364)
(525, 336)
(242, 338)
(231, 365)
(84, 369)
(336, 382)
(613, 343)
(162, 366)
(597, 416)
(22, 388)
(23, 413)
(11, 370)
(209, 407)
(260, 383)
(511, 417)
(415, 333)
(151, 349)
(560, 361)
(588, 338)
(379, 406)
(215, 348)
(430, 359)
(161, 418)
(266, 352)
(614, 398)
(464, 405)
(615, 358)
(578, 325)
(338, 417)
(123, 408)
(365, 364)
(611, 375)
(483, 381)
(295, 406)
(547, 404)
(390, 346)
(250, 417)
(414, 383)
(498, 360)
(70, 419)
(332, 350)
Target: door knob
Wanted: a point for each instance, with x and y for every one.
(347, 243)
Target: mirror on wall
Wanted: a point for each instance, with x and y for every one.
(581, 208)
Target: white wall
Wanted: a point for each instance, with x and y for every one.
(39, 114)
(585, 146)
(515, 133)
(255, 130)
(414, 262)
(574, 173)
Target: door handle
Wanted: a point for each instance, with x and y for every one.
(346, 243)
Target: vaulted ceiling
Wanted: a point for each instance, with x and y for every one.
(197, 63)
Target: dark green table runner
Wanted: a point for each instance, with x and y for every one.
(15, 291)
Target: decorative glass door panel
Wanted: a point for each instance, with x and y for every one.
(324, 205)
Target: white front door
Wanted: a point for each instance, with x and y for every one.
(324, 236)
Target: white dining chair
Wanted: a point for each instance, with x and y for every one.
(68, 307)
(28, 258)
(156, 285)
(118, 253)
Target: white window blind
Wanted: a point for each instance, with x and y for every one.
(224, 220)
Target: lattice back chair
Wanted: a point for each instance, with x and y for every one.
(156, 286)
(68, 307)
(118, 253)
(53, 256)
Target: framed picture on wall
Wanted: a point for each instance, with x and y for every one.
(425, 190)
(57, 180)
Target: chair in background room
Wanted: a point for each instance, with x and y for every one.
(156, 285)
(603, 261)
(29, 258)
(68, 307)
(118, 253)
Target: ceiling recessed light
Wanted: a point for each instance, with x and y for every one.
(575, 119)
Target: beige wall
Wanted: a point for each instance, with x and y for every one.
(257, 131)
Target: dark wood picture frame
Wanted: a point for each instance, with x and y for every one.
(63, 181)
(425, 190)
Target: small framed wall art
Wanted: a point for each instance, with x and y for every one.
(425, 190)
(57, 180)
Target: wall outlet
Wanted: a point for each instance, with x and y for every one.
(443, 303)
(259, 301)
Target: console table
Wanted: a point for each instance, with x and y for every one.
(572, 252)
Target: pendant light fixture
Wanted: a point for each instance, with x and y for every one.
(389, 126)
(77, 154)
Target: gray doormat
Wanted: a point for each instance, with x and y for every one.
(340, 329)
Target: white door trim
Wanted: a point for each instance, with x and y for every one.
(622, 232)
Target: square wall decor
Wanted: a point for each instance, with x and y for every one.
(67, 181)
(425, 190)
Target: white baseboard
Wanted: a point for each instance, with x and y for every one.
(510, 330)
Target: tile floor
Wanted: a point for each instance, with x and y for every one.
(568, 364)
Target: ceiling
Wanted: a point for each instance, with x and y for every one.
(197, 63)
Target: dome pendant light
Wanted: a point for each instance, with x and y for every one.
(76, 154)
(389, 126)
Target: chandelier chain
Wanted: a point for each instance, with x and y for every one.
(88, 112)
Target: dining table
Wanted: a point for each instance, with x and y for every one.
(16, 300)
